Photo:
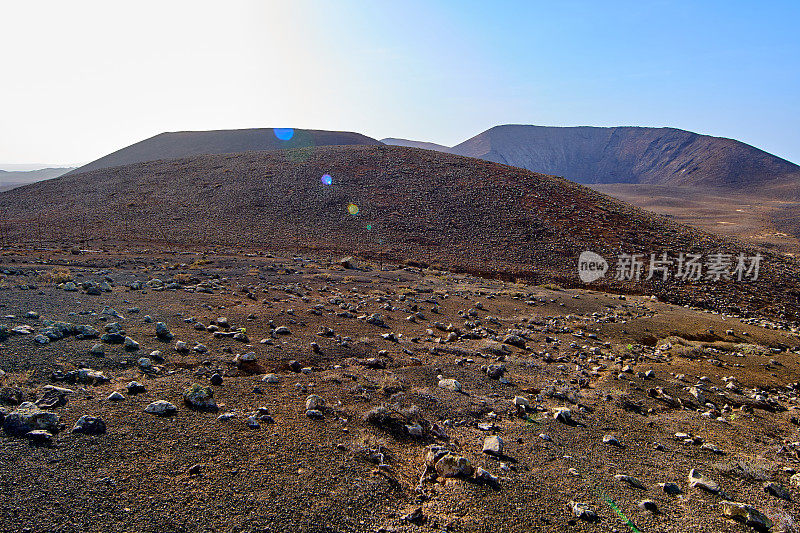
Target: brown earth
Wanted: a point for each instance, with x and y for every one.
(191, 472)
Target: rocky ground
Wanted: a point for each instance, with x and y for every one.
(182, 392)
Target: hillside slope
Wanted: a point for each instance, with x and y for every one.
(662, 156)
(173, 145)
(410, 204)
(415, 144)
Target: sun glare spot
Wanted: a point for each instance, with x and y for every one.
(352, 209)
(326, 179)
(283, 134)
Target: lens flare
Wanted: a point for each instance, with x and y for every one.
(326, 179)
(283, 134)
(352, 209)
(369, 227)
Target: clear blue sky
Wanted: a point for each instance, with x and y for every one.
(85, 78)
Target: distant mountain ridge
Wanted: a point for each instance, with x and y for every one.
(415, 144)
(14, 178)
(174, 145)
(627, 154)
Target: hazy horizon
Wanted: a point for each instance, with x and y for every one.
(438, 73)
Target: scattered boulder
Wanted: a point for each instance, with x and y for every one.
(747, 514)
(199, 397)
(161, 408)
(28, 417)
(450, 384)
(493, 445)
(777, 490)
(163, 332)
(583, 511)
(697, 479)
(451, 465)
(90, 425)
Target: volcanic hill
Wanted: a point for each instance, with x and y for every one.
(173, 145)
(400, 204)
(661, 156)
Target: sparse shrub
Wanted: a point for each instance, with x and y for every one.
(56, 276)
(552, 287)
(184, 278)
(199, 263)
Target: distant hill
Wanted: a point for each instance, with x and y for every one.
(415, 144)
(11, 179)
(403, 204)
(173, 145)
(658, 156)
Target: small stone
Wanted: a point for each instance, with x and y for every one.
(630, 480)
(415, 430)
(583, 511)
(697, 479)
(486, 476)
(747, 514)
(39, 436)
(522, 402)
(89, 425)
(611, 440)
(282, 330)
(216, 380)
(777, 490)
(671, 488)
(98, 350)
(130, 345)
(145, 364)
(493, 445)
(115, 397)
(161, 408)
(314, 402)
(134, 387)
(162, 331)
(451, 465)
(495, 371)
(199, 397)
(271, 378)
(563, 414)
(648, 505)
(314, 413)
(450, 384)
